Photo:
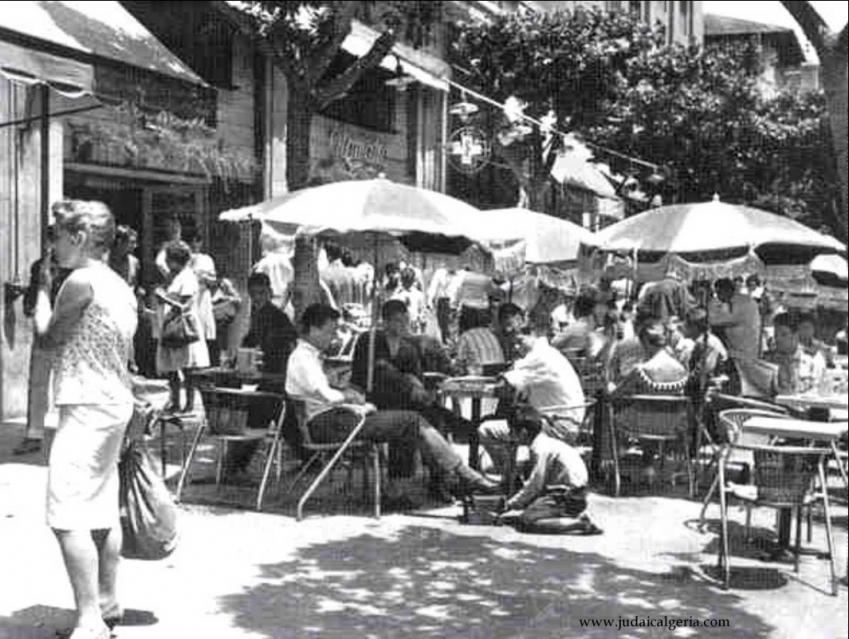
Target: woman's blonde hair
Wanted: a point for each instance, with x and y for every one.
(92, 217)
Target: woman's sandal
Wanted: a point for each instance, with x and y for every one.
(85, 633)
(112, 615)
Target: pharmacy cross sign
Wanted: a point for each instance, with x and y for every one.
(468, 149)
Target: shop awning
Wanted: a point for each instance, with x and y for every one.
(92, 30)
(427, 69)
(101, 49)
(69, 77)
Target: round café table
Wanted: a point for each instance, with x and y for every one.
(475, 389)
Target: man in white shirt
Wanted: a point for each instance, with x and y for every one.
(548, 380)
(307, 381)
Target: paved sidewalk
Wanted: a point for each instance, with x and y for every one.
(240, 574)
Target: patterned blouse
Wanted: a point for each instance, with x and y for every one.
(91, 365)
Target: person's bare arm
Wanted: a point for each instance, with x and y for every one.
(56, 323)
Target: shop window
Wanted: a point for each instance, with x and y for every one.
(369, 103)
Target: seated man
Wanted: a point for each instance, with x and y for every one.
(511, 319)
(397, 382)
(708, 357)
(547, 378)
(307, 381)
(478, 345)
(270, 329)
(272, 333)
(580, 337)
(553, 498)
(810, 344)
(798, 370)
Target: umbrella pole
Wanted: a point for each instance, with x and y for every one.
(373, 328)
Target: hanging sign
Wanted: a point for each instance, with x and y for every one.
(469, 149)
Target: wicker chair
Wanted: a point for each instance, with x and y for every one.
(226, 420)
(664, 419)
(731, 422)
(594, 384)
(783, 477)
(332, 452)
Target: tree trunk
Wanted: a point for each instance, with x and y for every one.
(305, 283)
(298, 121)
(305, 286)
(835, 81)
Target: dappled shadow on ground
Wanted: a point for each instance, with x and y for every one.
(429, 583)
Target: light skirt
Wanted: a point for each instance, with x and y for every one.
(82, 479)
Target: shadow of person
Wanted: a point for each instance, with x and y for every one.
(49, 622)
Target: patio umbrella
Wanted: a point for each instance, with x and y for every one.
(711, 226)
(367, 205)
(714, 239)
(545, 239)
(372, 208)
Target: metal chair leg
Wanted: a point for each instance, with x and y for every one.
(303, 471)
(725, 555)
(219, 463)
(707, 499)
(377, 478)
(617, 481)
(828, 531)
(266, 472)
(184, 473)
(798, 550)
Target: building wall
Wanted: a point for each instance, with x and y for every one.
(20, 233)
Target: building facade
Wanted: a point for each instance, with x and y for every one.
(781, 56)
(164, 110)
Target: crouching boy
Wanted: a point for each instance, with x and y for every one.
(553, 497)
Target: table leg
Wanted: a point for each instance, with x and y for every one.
(474, 442)
(784, 521)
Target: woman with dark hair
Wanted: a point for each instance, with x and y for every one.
(91, 326)
(181, 295)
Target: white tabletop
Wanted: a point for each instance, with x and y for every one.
(798, 428)
(813, 401)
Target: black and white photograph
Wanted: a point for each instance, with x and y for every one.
(424, 319)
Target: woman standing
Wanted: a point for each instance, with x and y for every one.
(91, 326)
(181, 296)
(204, 267)
(226, 303)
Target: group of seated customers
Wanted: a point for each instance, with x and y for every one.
(403, 411)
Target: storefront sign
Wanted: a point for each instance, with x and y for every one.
(350, 147)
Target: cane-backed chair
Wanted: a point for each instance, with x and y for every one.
(659, 419)
(782, 477)
(226, 414)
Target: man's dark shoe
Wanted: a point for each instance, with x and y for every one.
(27, 446)
(470, 481)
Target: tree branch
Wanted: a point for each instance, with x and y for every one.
(843, 38)
(326, 92)
(322, 57)
(248, 28)
(811, 22)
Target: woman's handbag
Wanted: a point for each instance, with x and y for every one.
(179, 329)
(224, 311)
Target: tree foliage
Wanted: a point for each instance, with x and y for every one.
(701, 113)
(698, 112)
(303, 39)
(564, 65)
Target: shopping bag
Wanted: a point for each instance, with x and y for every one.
(148, 511)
